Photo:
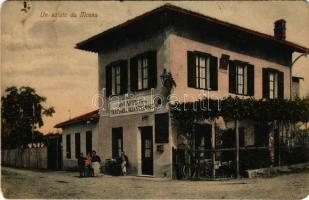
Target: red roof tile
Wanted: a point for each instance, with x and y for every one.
(94, 115)
(82, 45)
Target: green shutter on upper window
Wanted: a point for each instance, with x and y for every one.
(108, 80)
(265, 83)
(123, 76)
(191, 69)
(232, 77)
(280, 85)
(213, 73)
(250, 80)
(133, 73)
(152, 69)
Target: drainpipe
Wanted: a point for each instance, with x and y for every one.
(213, 147)
(237, 148)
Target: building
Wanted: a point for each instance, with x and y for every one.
(79, 135)
(202, 55)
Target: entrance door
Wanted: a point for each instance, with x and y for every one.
(147, 155)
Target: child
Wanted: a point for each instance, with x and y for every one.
(88, 165)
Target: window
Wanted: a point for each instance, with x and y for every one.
(148, 148)
(68, 146)
(241, 71)
(272, 83)
(116, 78)
(241, 78)
(88, 141)
(77, 145)
(143, 71)
(117, 142)
(202, 71)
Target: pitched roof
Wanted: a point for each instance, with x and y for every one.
(90, 43)
(91, 116)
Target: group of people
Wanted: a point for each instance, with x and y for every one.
(89, 166)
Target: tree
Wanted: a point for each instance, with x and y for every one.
(22, 111)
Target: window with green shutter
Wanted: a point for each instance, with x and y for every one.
(241, 78)
(143, 71)
(202, 70)
(273, 83)
(117, 78)
(162, 128)
(68, 146)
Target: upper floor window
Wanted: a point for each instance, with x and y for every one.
(143, 71)
(241, 78)
(142, 65)
(272, 83)
(117, 78)
(202, 71)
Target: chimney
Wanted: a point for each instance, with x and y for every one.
(279, 30)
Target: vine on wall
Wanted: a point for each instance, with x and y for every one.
(234, 108)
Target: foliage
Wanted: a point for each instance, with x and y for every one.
(21, 110)
(233, 108)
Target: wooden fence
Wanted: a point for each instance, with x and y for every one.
(25, 158)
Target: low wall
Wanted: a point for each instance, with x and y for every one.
(254, 173)
(26, 158)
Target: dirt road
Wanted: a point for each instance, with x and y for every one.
(17, 183)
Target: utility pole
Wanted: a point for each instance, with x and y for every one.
(32, 130)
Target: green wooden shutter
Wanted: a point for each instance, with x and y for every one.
(133, 73)
(152, 69)
(161, 128)
(250, 80)
(123, 76)
(191, 69)
(232, 77)
(280, 85)
(265, 83)
(108, 79)
(213, 73)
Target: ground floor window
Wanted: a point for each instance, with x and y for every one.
(68, 146)
(88, 141)
(77, 145)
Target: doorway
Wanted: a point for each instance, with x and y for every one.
(146, 150)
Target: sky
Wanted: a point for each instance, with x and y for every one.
(38, 51)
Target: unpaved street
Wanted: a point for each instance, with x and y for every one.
(17, 183)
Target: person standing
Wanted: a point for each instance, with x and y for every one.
(123, 163)
(81, 165)
(95, 163)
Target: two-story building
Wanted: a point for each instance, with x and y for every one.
(203, 55)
